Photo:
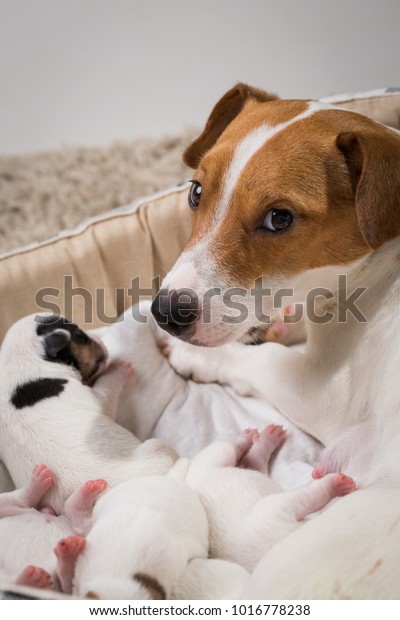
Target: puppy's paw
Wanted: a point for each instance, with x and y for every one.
(40, 482)
(68, 549)
(273, 436)
(341, 484)
(244, 442)
(288, 328)
(91, 490)
(34, 577)
(42, 478)
(330, 462)
(264, 444)
(320, 470)
(122, 371)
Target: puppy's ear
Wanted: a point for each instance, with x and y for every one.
(222, 114)
(56, 341)
(373, 161)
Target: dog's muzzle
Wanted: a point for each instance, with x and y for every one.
(177, 311)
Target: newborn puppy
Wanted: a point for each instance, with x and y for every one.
(28, 535)
(247, 512)
(211, 580)
(160, 540)
(49, 413)
(145, 533)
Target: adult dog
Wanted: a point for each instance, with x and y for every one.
(305, 197)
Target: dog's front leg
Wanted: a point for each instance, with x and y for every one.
(250, 370)
(202, 364)
(286, 378)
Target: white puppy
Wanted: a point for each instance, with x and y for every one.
(247, 512)
(144, 534)
(28, 536)
(48, 412)
(157, 542)
(149, 540)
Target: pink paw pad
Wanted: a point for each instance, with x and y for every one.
(250, 433)
(245, 440)
(93, 488)
(69, 548)
(273, 434)
(42, 477)
(127, 370)
(34, 577)
(320, 470)
(342, 484)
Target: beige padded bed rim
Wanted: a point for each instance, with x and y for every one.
(118, 212)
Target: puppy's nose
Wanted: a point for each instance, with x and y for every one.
(176, 311)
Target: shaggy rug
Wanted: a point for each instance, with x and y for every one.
(46, 192)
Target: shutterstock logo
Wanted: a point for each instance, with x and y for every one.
(230, 306)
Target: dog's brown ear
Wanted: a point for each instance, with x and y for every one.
(373, 161)
(223, 113)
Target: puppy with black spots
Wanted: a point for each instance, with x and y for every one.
(49, 413)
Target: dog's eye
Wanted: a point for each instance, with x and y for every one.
(277, 220)
(194, 195)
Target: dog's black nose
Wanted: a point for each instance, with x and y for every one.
(176, 311)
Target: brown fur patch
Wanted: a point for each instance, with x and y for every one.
(223, 113)
(88, 357)
(301, 169)
(92, 595)
(154, 588)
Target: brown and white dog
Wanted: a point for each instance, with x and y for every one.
(306, 197)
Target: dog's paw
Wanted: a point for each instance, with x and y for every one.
(330, 462)
(341, 485)
(34, 577)
(264, 443)
(68, 549)
(273, 436)
(123, 371)
(189, 361)
(42, 478)
(287, 328)
(244, 442)
(90, 491)
(40, 482)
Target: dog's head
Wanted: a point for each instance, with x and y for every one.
(55, 339)
(281, 190)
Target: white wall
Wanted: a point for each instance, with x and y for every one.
(91, 71)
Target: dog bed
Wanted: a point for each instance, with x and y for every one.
(96, 272)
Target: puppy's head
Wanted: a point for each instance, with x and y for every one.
(64, 342)
(55, 339)
(285, 191)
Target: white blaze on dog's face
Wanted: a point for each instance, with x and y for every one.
(282, 191)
